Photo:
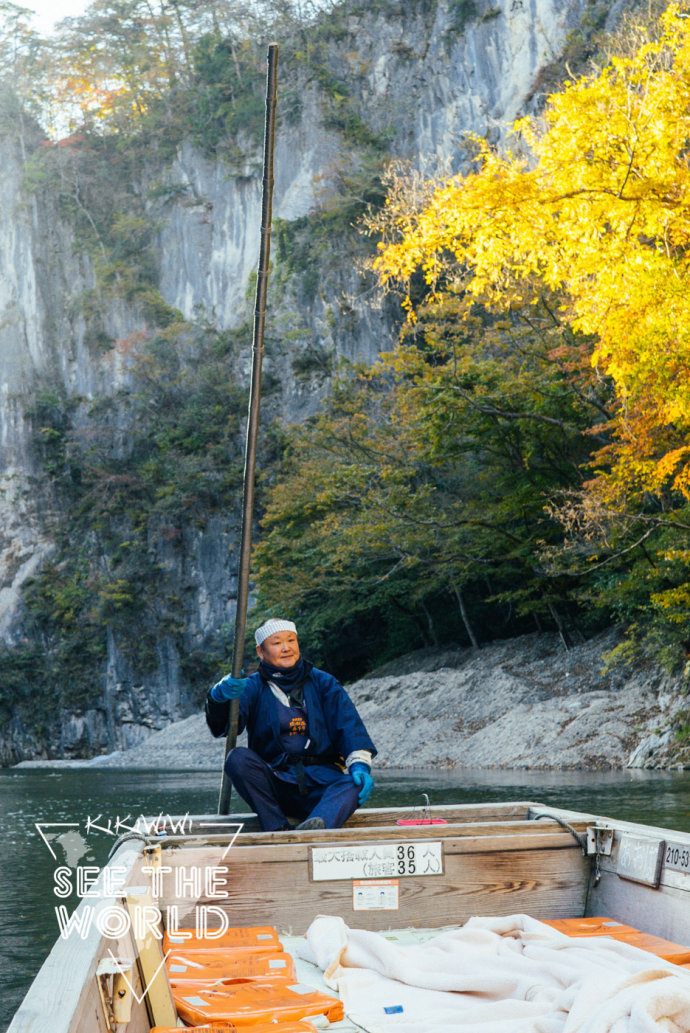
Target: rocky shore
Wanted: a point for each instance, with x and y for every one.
(523, 703)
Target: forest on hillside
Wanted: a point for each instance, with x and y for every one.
(520, 461)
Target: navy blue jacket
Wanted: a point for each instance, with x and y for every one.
(335, 727)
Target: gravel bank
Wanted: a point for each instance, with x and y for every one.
(523, 703)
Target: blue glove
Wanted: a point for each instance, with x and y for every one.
(228, 688)
(361, 776)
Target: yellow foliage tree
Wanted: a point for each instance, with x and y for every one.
(597, 209)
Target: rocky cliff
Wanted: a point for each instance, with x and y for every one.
(418, 77)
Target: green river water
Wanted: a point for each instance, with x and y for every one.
(86, 797)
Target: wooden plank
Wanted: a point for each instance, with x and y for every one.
(376, 833)
(205, 855)
(481, 883)
(159, 999)
(450, 812)
(259, 859)
(370, 816)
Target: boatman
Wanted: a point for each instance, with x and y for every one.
(308, 755)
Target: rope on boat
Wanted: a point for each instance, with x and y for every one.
(581, 840)
(160, 837)
(131, 835)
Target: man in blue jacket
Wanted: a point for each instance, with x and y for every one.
(308, 755)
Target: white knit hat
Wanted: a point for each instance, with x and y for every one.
(271, 627)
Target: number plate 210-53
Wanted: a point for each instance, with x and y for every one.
(677, 857)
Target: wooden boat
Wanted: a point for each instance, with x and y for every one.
(378, 874)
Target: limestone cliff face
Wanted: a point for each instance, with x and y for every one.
(422, 81)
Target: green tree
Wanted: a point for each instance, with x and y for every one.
(419, 494)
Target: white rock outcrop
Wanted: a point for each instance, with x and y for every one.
(523, 703)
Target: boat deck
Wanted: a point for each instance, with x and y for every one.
(596, 947)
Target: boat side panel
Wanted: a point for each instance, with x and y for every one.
(273, 885)
(664, 911)
(64, 996)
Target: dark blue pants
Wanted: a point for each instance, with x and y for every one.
(331, 793)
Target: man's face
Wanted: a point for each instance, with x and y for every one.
(280, 650)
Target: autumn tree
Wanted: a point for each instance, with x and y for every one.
(593, 204)
(599, 210)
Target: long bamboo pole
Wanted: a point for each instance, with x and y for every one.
(254, 403)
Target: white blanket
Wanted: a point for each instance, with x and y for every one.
(499, 975)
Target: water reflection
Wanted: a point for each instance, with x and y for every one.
(28, 926)
(654, 797)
